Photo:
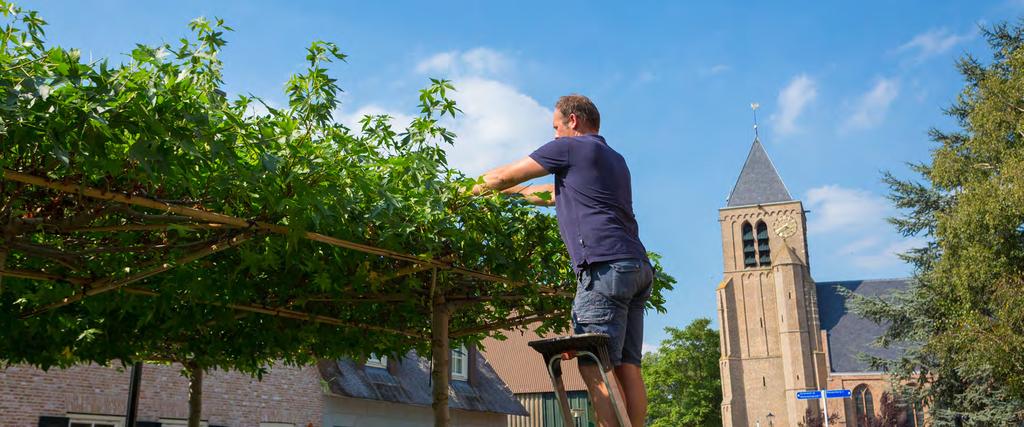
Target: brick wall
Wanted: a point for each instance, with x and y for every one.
(286, 394)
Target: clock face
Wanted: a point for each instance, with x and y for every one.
(785, 226)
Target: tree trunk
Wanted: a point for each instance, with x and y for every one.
(195, 393)
(3, 265)
(441, 353)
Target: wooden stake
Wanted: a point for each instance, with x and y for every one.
(441, 354)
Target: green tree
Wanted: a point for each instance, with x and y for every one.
(684, 385)
(961, 319)
(403, 252)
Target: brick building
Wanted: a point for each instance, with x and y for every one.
(781, 331)
(332, 394)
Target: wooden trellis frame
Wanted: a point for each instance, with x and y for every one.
(241, 230)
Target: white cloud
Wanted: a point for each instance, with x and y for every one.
(720, 68)
(399, 121)
(839, 208)
(438, 63)
(879, 258)
(800, 92)
(474, 62)
(499, 124)
(872, 107)
(648, 348)
(646, 77)
(860, 245)
(851, 224)
(933, 42)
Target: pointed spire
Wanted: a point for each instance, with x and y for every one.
(759, 182)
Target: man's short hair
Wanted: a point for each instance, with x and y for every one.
(585, 110)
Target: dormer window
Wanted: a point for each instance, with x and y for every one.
(460, 363)
(749, 249)
(375, 361)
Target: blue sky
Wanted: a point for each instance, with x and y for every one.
(847, 90)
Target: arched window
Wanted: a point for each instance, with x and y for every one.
(749, 249)
(864, 405)
(764, 251)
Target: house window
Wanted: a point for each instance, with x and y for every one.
(87, 420)
(460, 363)
(375, 361)
(864, 405)
(764, 251)
(749, 249)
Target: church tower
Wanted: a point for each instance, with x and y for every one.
(771, 343)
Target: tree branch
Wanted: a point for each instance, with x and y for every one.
(110, 283)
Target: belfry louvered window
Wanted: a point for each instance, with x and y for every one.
(749, 246)
(764, 251)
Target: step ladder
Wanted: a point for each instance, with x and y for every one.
(594, 346)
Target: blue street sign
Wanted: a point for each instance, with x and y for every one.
(832, 394)
(804, 395)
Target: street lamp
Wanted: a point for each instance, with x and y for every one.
(771, 419)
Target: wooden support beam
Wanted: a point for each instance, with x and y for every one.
(141, 227)
(37, 275)
(212, 217)
(288, 314)
(111, 283)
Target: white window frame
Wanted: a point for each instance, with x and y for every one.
(460, 363)
(179, 422)
(376, 362)
(93, 419)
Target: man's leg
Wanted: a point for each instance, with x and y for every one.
(628, 372)
(632, 385)
(599, 396)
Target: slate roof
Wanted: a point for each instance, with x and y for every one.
(407, 381)
(759, 182)
(850, 334)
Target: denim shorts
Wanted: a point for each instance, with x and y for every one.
(610, 299)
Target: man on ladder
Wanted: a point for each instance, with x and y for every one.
(593, 200)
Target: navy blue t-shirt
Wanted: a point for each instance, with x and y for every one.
(593, 199)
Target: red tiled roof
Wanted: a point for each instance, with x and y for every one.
(522, 368)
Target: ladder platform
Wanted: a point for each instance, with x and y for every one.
(582, 342)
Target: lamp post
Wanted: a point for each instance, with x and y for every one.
(771, 419)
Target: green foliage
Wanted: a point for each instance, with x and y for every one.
(815, 418)
(159, 126)
(684, 386)
(961, 318)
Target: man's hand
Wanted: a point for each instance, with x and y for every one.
(540, 195)
(503, 178)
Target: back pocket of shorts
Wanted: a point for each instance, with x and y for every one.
(594, 315)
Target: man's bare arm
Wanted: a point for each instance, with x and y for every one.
(504, 178)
